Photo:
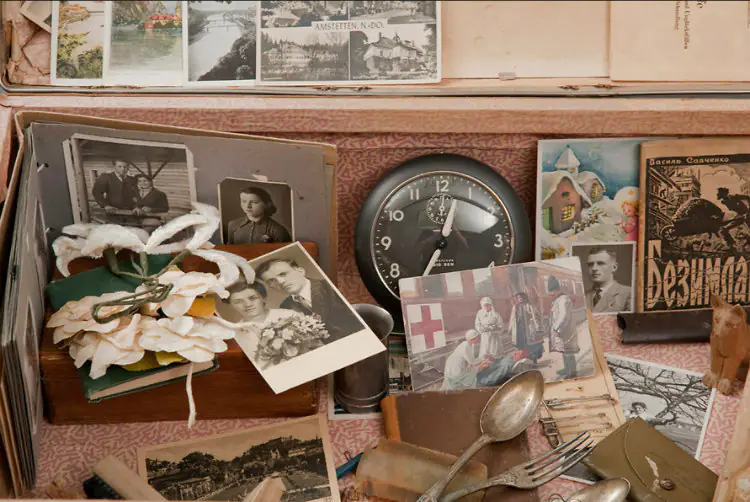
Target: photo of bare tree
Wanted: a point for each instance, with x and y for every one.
(672, 400)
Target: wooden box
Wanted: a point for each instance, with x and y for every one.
(234, 390)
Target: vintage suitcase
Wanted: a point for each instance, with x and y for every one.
(234, 390)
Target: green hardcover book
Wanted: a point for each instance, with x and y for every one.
(97, 281)
(118, 381)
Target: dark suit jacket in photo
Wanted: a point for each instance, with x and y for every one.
(337, 316)
(110, 191)
(156, 200)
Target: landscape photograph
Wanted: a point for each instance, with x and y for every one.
(405, 52)
(303, 54)
(221, 41)
(228, 467)
(80, 40)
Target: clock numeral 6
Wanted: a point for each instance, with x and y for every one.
(498, 241)
(441, 185)
(386, 242)
(396, 215)
(395, 272)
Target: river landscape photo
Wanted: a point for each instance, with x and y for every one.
(221, 41)
(146, 42)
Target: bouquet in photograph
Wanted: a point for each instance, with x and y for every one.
(290, 336)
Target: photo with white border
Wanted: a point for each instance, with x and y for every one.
(672, 400)
(255, 211)
(294, 456)
(608, 275)
(296, 325)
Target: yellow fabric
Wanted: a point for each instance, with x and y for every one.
(153, 360)
(204, 306)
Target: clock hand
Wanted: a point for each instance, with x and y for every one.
(448, 225)
(433, 261)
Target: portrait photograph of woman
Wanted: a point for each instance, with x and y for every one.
(255, 212)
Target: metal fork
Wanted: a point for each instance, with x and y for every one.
(537, 471)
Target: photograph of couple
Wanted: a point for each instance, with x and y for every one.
(291, 310)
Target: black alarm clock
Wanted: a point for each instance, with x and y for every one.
(435, 214)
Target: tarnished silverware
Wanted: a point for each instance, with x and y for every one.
(610, 490)
(536, 472)
(508, 413)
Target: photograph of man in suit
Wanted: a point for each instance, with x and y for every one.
(309, 296)
(115, 190)
(606, 294)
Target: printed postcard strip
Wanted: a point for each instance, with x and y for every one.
(478, 328)
(354, 42)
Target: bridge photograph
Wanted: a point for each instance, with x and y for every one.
(221, 41)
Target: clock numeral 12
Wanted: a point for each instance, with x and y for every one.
(395, 272)
(442, 185)
(396, 215)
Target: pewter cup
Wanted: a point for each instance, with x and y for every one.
(360, 387)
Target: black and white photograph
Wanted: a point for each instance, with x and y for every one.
(608, 275)
(128, 182)
(29, 356)
(221, 42)
(395, 11)
(297, 13)
(299, 326)
(304, 55)
(255, 212)
(672, 400)
(389, 43)
(295, 454)
(406, 52)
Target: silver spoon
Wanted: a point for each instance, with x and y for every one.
(508, 413)
(610, 490)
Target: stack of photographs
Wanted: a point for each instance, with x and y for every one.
(23, 312)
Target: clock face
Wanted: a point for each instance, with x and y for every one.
(439, 222)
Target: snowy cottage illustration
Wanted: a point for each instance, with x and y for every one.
(567, 192)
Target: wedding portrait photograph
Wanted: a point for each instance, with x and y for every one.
(255, 212)
(298, 326)
(478, 328)
(220, 42)
(128, 182)
(296, 455)
(608, 277)
(674, 401)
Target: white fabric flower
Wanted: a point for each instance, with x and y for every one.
(87, 239)
(116, 347)
(77, 316)
(196, 340)
(186, 287)
(204, 220)
(230, 265)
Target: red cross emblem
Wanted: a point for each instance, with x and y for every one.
(427, 327)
